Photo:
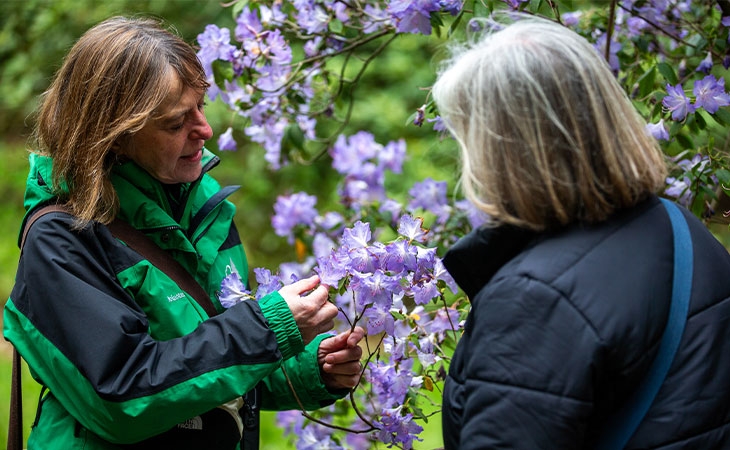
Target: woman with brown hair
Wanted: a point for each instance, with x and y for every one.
(571, 282)
(130, 358)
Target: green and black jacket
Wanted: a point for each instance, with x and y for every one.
(124, 352)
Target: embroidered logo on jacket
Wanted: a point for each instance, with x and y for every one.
(196, 423)
(178, 296)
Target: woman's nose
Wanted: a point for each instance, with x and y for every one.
(202, 129)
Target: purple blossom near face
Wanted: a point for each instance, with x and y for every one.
(475, 216)
(710, 94)
(399, 256)
(311, 17)
(706, 64)
(292, 211)
(678, 188)
(374, 19)
(438, 124)
(430, 195)
(677, 102)
(658, 130)
(425, 290)
(248, 25)
(226, 141)
(425, 352)
(376, 288)
(514, 4)
(272, 16)
(289, 272)
(571, 19)
(392, 208)
(358, 236)
(411, 228)
(441, 274)
(391, 157)
(232, 291)
(413, 16)
(215, 43)
(267, 282)
(450, 6)
(331, 269)
(600, 46)
(725, 21)
(348, 154)
(445, 319)
(420, 116)
(322, 245)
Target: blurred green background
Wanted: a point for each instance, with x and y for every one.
(36, 34)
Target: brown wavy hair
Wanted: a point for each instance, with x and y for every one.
(111, 82)
(548, 137)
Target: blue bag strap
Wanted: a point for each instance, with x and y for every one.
(628, 418)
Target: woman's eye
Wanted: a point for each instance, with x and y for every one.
(177, 127)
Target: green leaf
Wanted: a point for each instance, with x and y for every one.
(336, 26)
(222, 72)
(238, 7)
(700, 121)
(646, 82)
(723, 175)
(668, 73)
(293, 138)
(685, 141)
(397, 315)
(722, 116)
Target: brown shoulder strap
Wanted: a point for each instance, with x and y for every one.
(15, 424)
(158, 257)
(37, 215)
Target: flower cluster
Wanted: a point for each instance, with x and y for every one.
(281, 99)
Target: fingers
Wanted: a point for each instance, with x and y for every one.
(300, 286)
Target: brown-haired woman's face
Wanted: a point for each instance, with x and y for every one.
(169, 146)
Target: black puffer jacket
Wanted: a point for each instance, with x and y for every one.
(565, 325)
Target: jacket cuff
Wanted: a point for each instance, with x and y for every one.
(281, 321)
(319, 394)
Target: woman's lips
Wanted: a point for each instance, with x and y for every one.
(195, 157)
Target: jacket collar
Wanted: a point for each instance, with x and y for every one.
(476, 257)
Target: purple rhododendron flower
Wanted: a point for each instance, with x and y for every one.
(226, 141)
(398, 429)
(710, 94)
(267, 282)
(292, 211)
(658, 130)
(248, 25)
(379, 320)
(413, 16)
(514, 4)
(399, 256)
(706, 64)
(412, 228)
(358, 236)
(232, 290)
(677, 102)
(430, 195)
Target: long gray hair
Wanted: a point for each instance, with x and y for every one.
(547, 134)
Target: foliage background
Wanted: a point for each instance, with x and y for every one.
(36, 34)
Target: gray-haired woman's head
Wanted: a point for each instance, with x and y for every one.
(548, 136)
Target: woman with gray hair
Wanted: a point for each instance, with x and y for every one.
(571, 281)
